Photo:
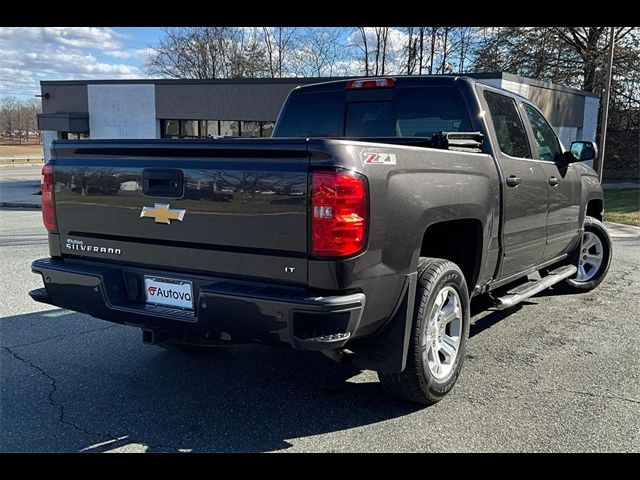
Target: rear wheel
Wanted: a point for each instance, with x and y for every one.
(439, 335)
(593, 258)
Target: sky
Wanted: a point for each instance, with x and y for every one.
(31, 54)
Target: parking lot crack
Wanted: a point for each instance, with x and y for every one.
(54, 337)
(610, 397)
(53, 388)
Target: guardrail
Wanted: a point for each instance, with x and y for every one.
(21, 161)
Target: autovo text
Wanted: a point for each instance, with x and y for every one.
(164, 293)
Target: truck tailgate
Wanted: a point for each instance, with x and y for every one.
(225, 207)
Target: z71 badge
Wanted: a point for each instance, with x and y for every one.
(378, 158)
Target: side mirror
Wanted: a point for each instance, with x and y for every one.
(581, 151)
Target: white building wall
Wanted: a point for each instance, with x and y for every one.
(515, 87)
(48, 136)
(122, 111)
(590, 120)
(567, 135)
(494, 82)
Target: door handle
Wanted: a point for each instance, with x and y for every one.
(553, 181)
(513, 181)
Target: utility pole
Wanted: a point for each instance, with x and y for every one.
(605, 107)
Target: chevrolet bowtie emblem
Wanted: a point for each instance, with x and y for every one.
(162, 213)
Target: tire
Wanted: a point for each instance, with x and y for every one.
(418, 382)
(178, 347)
(592, 226)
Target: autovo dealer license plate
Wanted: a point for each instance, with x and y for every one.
(168, 292)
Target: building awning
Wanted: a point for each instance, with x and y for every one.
(64, 122)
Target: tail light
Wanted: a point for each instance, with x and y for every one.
(48, 207)
(370, 83)
(338, 213)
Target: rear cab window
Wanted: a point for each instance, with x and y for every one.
(399, 112)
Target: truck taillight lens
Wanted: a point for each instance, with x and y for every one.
(338, 213)
(48, 207)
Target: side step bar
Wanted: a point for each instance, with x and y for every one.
(518, 294)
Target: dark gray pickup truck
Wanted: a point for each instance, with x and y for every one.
(362, 229)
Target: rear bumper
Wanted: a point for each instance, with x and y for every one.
(224, 310)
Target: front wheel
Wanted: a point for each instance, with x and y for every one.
(439, 335)
(593, 257)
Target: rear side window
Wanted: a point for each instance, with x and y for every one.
(411, 112)
(313, 115)
(512, 137)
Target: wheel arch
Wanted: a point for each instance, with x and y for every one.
(595, 208)
(458, 240)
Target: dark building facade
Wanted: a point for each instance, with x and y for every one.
(241, 107)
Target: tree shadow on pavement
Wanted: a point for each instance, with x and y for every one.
(73, 383)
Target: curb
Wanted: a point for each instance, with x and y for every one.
(620, 230)
(19, 205)
(624, 225)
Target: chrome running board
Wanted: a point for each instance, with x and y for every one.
(522, 292)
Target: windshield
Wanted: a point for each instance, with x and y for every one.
(410, 112)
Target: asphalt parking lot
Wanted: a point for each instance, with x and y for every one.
(557, 373)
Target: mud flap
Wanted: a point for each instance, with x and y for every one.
(387, 351)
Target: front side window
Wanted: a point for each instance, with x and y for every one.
(548, 144)
(512, 137)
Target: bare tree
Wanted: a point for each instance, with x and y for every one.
(365, 49)
(208, 52)
(279, 44)
(8, 116)
(421, 51)
(573, 56)
(434, 33)
(445, 47)
(411, 50)
(373, 43)
(382, 35)
(585, 42)
(18, 118)
(33, 107)
(320, 52)
(461, 46)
